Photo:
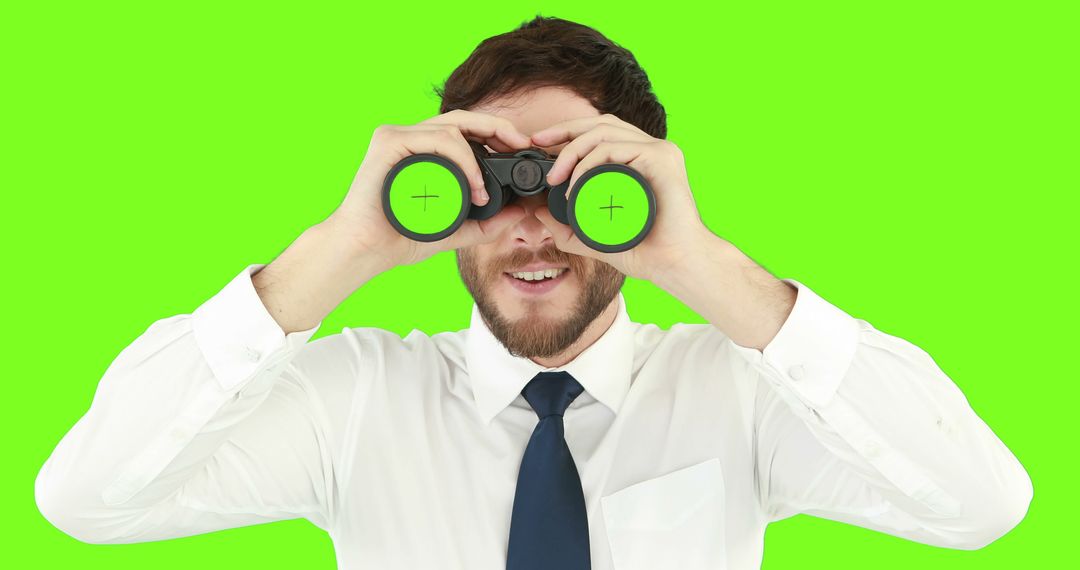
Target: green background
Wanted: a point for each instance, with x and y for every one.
(913, 163)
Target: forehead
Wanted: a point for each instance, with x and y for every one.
(537, 109)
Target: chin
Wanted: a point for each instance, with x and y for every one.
(517, 307)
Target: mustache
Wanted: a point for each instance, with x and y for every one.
(550, 255)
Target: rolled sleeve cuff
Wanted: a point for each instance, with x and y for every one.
(237, 334)
(813, 349)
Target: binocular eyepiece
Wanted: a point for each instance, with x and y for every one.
(426, 197)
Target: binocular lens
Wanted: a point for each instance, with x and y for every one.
(612, 209)
(426, 199)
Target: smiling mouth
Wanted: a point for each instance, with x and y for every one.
(536, 286)
(536, 276)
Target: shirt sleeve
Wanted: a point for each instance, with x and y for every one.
(858, 426)
(204, 422)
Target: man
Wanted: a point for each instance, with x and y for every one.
(554, 432)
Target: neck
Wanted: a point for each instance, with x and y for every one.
(592, 333)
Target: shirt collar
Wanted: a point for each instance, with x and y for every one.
(497, 377)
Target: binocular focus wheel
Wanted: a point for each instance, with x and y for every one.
(611, 208)
(425, 197)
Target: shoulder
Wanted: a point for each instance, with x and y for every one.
(350, 366)
(376, 347)
(680, 340)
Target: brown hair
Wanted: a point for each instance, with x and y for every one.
(555, 52)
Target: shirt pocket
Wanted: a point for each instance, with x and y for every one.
(675, 520)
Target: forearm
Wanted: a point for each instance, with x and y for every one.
(732, 292)
(312, 277)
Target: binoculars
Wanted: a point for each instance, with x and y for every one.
(426, 197)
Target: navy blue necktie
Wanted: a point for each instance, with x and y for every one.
(549, 529)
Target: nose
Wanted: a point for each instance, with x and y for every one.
(530, 230)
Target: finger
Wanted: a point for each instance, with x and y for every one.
(609, 152)
(448, 142)
(484, 127)
(497, 145)
(568, 130)
(479, 191)
(583, 144)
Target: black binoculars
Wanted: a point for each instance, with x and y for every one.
(426, 197)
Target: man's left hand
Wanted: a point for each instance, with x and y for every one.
(677, 231)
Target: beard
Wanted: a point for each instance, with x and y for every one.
(535, 335)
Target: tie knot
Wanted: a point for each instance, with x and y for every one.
(550, 393)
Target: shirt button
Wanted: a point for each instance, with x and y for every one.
(252, 354)
(871, 449)
(796, 372)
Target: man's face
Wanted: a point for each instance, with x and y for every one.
(532, 318)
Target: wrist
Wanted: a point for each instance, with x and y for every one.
(732, 292)
(348, 248)
(311, 277)
(708, 249)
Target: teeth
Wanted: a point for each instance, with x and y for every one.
(537, 275)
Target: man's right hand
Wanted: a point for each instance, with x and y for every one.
(360, 222)
(333, 258)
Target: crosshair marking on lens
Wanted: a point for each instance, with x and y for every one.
(435, 207)
(599, 193)
(611, 208)
(425, 196)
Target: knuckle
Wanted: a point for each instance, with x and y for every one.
(570, 149)
(579, 169)
(504, 125)
(459, 136)
(608, 129)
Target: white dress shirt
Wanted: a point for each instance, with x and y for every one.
(406, 450)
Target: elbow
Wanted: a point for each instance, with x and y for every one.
(64, 510)
(77, 524)
(52, 507)
(57, 510)
(999, 515)
(1014, 508)
(69, 525)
